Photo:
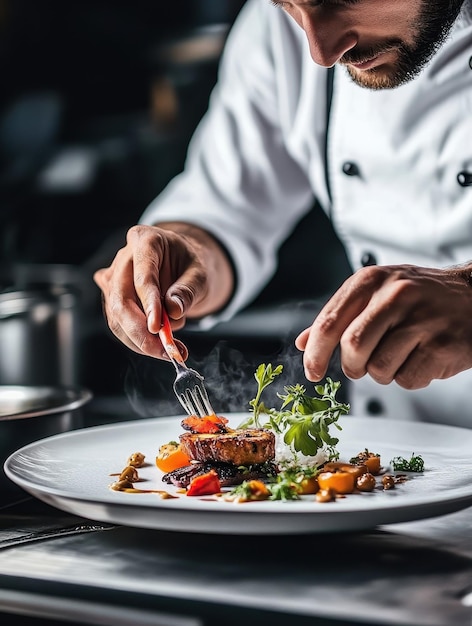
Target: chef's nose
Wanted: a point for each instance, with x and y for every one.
(327, 37)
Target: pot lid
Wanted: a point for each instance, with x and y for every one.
(21, 401)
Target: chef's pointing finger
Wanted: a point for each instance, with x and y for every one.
(320, 341)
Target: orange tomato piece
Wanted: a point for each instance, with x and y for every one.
(370, 460)
(206, 424)
(308, 485)
(342, 466)
(339, 481)
(373, 464)
(171, 457)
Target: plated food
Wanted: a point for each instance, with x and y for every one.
(275, 454)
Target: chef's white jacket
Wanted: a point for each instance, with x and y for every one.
(399, 166)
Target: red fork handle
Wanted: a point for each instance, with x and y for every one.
(167, 338)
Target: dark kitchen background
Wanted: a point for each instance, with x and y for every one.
(98, 102)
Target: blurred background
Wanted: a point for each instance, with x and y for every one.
(98, 102)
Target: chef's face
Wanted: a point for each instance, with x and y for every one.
(382, 43)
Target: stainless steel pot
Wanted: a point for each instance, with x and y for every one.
(39, 325)
(38, 338)
(29, 413)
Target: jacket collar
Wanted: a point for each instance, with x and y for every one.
(465, 15)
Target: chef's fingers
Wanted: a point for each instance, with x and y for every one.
(123, 311)
(128, 323)
(416, 353)
(390, 353)
(137, 275)
(185, 293)
(320, 341)
(421, 367)
(402, 323)
(166, 269)
(373, 343)
(400, 320)
(132, 288)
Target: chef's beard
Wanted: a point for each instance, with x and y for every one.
(433, 27)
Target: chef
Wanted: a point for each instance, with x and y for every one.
(366, 106)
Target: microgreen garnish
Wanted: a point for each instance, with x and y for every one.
(284, 489)
(414, 464)
(303, 420)
(287, 485)
(249, 490)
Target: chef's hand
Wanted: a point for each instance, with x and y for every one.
(404, 323)
(175, 265)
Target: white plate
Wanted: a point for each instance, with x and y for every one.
(72, 472)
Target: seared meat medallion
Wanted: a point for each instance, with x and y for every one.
(239, 447)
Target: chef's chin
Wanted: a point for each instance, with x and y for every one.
(382, 77)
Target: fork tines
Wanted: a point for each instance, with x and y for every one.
(196, 401)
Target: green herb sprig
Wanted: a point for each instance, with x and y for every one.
(265, 376)
(303, 420)
(414, 464)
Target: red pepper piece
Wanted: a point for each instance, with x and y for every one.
(205, 424)
(204, 484)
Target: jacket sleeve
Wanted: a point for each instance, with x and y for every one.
(239, 181)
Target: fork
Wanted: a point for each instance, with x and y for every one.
(188, 384)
